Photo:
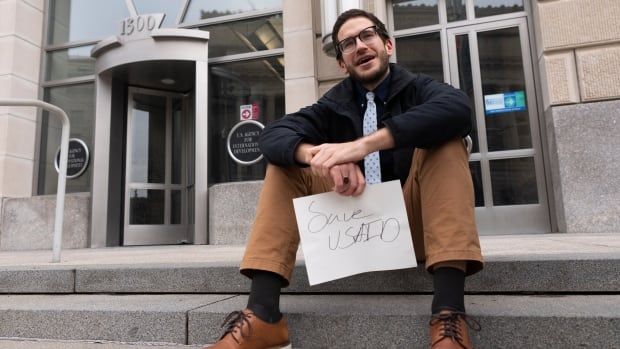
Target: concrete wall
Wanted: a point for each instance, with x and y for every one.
(578, 53)
(232, 207)
(21, 23)
(28, 223)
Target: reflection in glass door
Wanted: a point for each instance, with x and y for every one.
(491, 63)
(155, 184)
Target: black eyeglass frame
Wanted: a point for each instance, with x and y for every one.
(377, 31)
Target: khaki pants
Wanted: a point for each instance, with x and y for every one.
(438, 195)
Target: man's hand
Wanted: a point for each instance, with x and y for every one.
(348, 179)
(327, 155)
(337, 161)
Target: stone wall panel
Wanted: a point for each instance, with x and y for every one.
(573, 23)
(559, 78)
(599, 72)
(28, 223)
(586, 142)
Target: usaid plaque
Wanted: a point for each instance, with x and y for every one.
(77, 159)
(242, 142)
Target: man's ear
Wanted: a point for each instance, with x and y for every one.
(389, 46)
(343, 67)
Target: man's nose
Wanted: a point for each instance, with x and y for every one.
(359, 43)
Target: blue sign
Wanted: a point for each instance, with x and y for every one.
(504, 102)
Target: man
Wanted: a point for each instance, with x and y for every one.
(335, 145)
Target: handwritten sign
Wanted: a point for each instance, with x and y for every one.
(343, 236)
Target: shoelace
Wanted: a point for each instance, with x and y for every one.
(235, 320)
(450, 326)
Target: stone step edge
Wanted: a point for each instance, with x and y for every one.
(546, 276)
(43, 343)
(315, 321)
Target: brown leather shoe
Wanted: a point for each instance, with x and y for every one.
(449, 330)
(244, 330)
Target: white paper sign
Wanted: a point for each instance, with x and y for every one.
(343, 236)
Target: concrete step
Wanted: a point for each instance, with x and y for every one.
(552, 263)
(36, 343)
(315, 321)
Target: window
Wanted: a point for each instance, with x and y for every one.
(79, 20)
(414, 13)
(259, 83)
(78, 101)
(246, 69)
(204, 9)
(169, 7)
(244, 36)
(486, 8)
(421, 53)
(69, 63)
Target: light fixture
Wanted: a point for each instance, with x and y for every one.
(168, 81)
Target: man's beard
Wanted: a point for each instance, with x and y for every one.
(375, 77)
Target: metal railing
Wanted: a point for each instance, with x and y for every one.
(62, 174)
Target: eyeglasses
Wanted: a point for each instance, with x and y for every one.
(367, 35)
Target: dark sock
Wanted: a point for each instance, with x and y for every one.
(449, 285)
(264, 298)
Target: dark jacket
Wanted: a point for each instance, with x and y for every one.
(419, 112)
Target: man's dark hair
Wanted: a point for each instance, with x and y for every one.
(345, 16)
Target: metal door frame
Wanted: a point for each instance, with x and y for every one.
(514, 219)
(153, 234)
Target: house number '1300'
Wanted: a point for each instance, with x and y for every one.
(138, 24)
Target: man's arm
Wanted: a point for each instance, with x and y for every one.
(338, 161)
(327, 155)
(280, 139)
(441, 113)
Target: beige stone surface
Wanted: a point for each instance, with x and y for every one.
(39, 4)
(16, 177)
(297, 15)
(19, 137)
(1, 181)
(559, 79)
(6, 55)
(7, 18)
(574, 23)
(327, 67)
(300, 93)
(599, 72)
(15, 87)
(27, 59)
(299, 54)
(29, 22)
(19, 57)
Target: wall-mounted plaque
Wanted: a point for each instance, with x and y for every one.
(77, 160)
(242, 142)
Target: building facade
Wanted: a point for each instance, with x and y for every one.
(167, 97)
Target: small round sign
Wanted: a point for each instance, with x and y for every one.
(77, 159)
(242, 142)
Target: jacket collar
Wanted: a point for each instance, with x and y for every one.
(341, 98)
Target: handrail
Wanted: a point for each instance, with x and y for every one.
(62, 174)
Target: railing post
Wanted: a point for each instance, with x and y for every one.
(62, 175)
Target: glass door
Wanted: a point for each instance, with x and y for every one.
(491, 63)
(156, 169)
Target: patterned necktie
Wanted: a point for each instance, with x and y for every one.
(372, 165)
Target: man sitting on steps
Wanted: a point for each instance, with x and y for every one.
(364, 131)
